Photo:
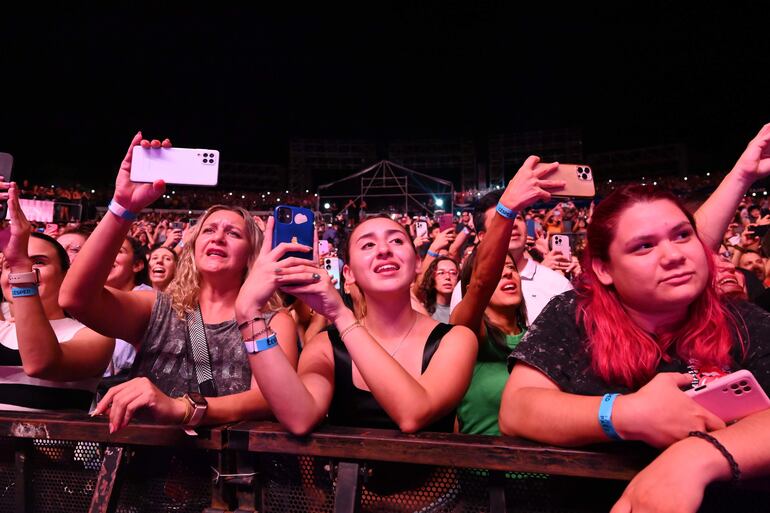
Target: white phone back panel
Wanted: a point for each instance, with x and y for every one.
(188, 166)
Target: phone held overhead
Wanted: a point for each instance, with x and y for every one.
(182, 166)
(578, 178)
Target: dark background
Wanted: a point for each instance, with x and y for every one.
(78, 82)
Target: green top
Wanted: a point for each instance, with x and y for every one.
(479, 409)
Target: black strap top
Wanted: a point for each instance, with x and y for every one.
(354, 407)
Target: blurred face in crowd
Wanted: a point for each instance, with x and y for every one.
(162, 268)
(508, 291)
(222, 245)
(123, 270)
(46, 260)
(465, 217)
(382, 257)
(656, 263)
(446, 277)
(72, 243)
(731, 283)
(518, 234)
(754, 263)
(434, 232)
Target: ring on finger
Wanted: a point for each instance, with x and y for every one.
(316, 277)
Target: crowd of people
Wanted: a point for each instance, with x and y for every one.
(572, 324)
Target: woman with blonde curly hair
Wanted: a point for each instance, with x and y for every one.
(212, 268)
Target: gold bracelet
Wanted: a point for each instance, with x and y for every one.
(188, 410)
(349, 329)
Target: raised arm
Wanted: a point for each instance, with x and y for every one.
(87, 353)
(84, 294)
(522, 191)
(715, 214)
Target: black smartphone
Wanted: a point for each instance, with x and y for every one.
(6, 169)
(760, 230)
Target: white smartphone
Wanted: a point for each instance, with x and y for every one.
(561, 243)
(421, 229)
(332, 266)
(323, 247)
(731, 397)
(184, 166)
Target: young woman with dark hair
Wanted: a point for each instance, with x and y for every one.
(436, 285)
(493, 305)
(48, 361)
(644, 321)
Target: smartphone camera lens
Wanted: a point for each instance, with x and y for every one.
(205, 154)
(205, 161)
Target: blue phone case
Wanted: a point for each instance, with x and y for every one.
(289, 230)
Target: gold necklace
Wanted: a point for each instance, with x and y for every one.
(398, 347)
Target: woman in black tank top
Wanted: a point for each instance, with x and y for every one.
(394, 368)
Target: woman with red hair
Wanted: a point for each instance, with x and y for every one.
(607, 360)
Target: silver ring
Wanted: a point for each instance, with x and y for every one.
(316, 277)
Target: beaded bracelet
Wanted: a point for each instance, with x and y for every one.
(735, 470)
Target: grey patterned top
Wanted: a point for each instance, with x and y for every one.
(164, 357)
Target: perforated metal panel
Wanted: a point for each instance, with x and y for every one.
(62, 475)
(7, 475)
(159, 480)
(305, 484)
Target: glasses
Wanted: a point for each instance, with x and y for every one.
(441, 272)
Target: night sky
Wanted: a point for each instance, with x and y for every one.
(77, 83)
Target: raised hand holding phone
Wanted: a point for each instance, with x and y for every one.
(530, 184)
(131, 196)
(266, 272)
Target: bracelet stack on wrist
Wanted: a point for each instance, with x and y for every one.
(260, 344)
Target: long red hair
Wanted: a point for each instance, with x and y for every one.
(621, 352)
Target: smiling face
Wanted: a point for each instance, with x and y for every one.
(162, 267)
(730, 282)
(508, 291)
(222, 244)
(656, 263)
(381, 256)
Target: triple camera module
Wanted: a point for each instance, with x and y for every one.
(584, 173)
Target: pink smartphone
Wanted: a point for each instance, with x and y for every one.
(578, 178)
(187, 166)
(445, 221)
(731, 397)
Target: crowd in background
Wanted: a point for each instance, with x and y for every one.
(522, 313)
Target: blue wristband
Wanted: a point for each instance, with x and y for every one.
(121, 211)
(605, 416)
(433, 254)
(261, 344)
(28, 291)
(506, 212)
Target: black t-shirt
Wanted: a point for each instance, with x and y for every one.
(556, 345)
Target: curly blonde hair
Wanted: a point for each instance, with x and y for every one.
(184, 289)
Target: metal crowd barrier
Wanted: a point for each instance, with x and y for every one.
(63, 462)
